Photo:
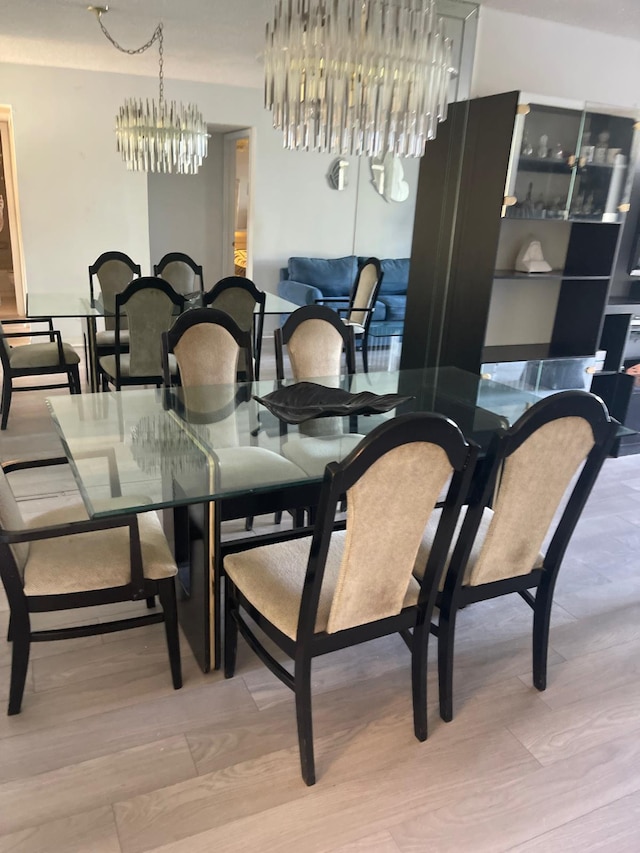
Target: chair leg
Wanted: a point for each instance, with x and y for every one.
(541, 625)
(248, 523)
(167, 594)
(21, 640)
(419, 650)
(365, 353)
(446, 636)
(6, 401)
(230, 630)
(73, 374)
(151, 602)
(303, 716)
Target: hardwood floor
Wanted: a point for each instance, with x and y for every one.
(106, 757)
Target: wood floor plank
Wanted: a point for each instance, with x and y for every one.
(497, 819)
(374, 759)
(81, 787)
(613, 827)
(89, 832)
(42, 751)
(592, 674)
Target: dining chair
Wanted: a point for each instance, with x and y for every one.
(362, 301)
(148, 306)
(51, 357)
(182, 273)
(315, 339)
(63, 560)
(206, 345)
(239, 297)
(114, 271)
(540, 474)
(316, 594)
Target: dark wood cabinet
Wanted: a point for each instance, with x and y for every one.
(500, 174)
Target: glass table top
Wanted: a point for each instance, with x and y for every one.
(72, 304)
(149, 449)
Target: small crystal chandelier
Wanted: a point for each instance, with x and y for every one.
(357, 76)
(157, 137)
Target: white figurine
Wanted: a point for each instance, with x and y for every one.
(531, 259)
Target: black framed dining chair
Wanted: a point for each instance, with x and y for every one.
(315, 338)
(113, 271)
(148, 306)
(63, 560)
(316, 594)
(239, 296)
(182, 273)
(49, 358)
(553, 453)
(206, 345)
(359, 314)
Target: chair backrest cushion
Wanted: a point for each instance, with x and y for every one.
(333, 276)
(387, 511)
(238, 304)
(315, 350)
(149, 313)
(395, 275)
(113, 276)
(534, 480)
(207, 354)
(180, 276)
(11, 519)
(365, 292)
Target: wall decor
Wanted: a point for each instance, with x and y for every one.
(387, 177)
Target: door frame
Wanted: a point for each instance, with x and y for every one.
(228, 197)
(12, 207)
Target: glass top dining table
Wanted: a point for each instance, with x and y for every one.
(150, 449)
(206, 455)
(73, 304)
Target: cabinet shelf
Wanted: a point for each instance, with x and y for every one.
(544, 164)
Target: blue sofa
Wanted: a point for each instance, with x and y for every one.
(306, 280)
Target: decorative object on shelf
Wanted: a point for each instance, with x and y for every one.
(601, 149)
(366, 77)
(530, 257)
(543, 149)
(337, 174)
(157, 136)
(387, 177)
(303, 401)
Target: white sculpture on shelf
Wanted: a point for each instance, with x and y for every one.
(530, 257)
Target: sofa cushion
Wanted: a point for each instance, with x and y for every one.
(334, 276)
(395, 304)
(395, 275)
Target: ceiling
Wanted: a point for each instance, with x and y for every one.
(214, 40)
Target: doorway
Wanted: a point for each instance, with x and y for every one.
(238, 158)
(12, 300)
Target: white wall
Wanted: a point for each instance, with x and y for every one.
(544, 58)
(185, 213)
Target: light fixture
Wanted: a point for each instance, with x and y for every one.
(157, 136)
(363, 77)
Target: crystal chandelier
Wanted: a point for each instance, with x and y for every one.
(357, 76)
(158, 136)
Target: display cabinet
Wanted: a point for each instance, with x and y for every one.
(504, 172)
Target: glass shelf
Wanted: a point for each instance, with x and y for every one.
(570, 164)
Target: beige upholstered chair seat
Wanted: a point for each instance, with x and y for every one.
(93, 560)
(271, 577)
(476, 549)
(41, 355)
(244, 467)
(107, 337)
(313, 453)
(108, 364)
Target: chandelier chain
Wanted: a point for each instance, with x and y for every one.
(157, 36)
